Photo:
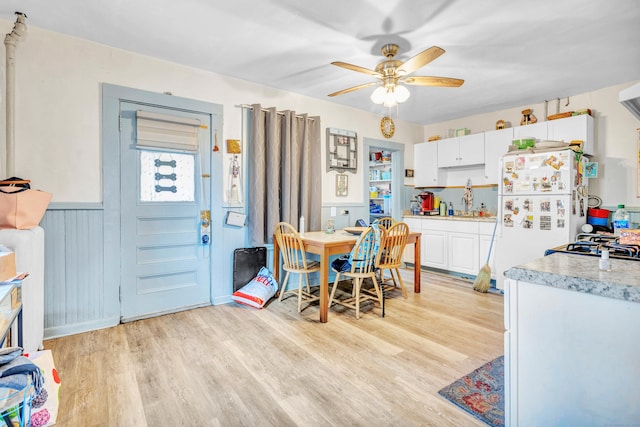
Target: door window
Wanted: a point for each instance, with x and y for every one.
(166, 177)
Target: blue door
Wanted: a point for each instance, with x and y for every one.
(164, 259)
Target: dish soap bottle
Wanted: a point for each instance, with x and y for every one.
(620, 220)
(450, 209)
(443, 208)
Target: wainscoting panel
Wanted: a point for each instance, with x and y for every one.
(76, 297)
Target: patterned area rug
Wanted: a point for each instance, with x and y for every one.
(481, 392)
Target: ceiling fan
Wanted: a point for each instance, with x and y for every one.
(392, 72)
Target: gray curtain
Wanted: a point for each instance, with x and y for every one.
(284, 172)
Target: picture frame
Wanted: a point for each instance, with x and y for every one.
(342, 185)
(591, 169)
(408, 173)
(342, 150)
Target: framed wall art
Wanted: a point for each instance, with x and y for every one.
(342, 185)
(342, 150)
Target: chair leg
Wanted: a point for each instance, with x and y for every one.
(404, 290)
(356, 291)
(284, 286)
(333, 289)
(306, 276)
(379, 293)
(300, 291)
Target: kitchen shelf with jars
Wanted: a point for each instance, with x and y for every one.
(379, 184)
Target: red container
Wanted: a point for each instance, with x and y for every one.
(598, 213)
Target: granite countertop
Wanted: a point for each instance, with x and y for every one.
(490, 219)
(582, 274)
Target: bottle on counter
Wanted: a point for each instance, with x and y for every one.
(450, 209)
(443, 208)
(605, 262)
(620, 220)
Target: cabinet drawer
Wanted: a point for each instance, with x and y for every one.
(463, 226)
(415, 224)
(436, 224)
(486, 228)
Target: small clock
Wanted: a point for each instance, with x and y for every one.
(387, 127)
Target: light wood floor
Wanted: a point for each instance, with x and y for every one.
(237, 366)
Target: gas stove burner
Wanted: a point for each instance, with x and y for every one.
(583, 247)
(632, 251)
(595, 237)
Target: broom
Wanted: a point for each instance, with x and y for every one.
(483, 279)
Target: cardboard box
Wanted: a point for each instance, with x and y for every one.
(7, 266)
(630, 236)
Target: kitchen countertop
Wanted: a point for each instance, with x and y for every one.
(581, 273)
(491, 219)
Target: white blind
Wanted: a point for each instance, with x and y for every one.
(166, 131)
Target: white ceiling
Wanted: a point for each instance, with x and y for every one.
(509, 53)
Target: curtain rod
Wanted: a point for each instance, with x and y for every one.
(249, 107)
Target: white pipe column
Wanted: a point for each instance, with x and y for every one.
(10, 42)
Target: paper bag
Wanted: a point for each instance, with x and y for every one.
(22, 208)
(44, 406)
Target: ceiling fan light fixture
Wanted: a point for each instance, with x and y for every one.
(378, 96)
(390, 95)
(402, 93)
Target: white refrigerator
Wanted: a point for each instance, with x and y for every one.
(542, 203)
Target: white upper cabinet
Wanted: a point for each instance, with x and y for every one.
(425, 165)
(461, 151)
(496, 145)
(536, 130)
(572, 128)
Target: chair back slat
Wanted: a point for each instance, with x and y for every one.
(385, 222)
(365, 254)
(291, 247)
(393, 244)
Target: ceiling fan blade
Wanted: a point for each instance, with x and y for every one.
(356, 68)
(351, 89)
(432, 81)
(420, 60)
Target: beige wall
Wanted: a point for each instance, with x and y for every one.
(615, 129)
(58, 144)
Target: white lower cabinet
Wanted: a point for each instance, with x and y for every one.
(434, 249)
(463, 252)
(415, 224)
(453, 245)
(485, 233)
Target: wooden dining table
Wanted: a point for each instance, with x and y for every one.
(340, 242)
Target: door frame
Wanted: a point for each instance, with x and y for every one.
(112, 95)
(397, 172)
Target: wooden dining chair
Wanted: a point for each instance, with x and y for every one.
(391, 250)
(385, 222)
(294, 260)
(363, 261)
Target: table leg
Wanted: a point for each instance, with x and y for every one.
(416, 268)
(324, 287)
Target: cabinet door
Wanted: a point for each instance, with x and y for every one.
(536, 130)
(463, 253)
(426, 172)
(485, 242)
(496, 145)
(471, 149)
(434, 249)
(570, 128)
(448, 152)
(414, 225)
